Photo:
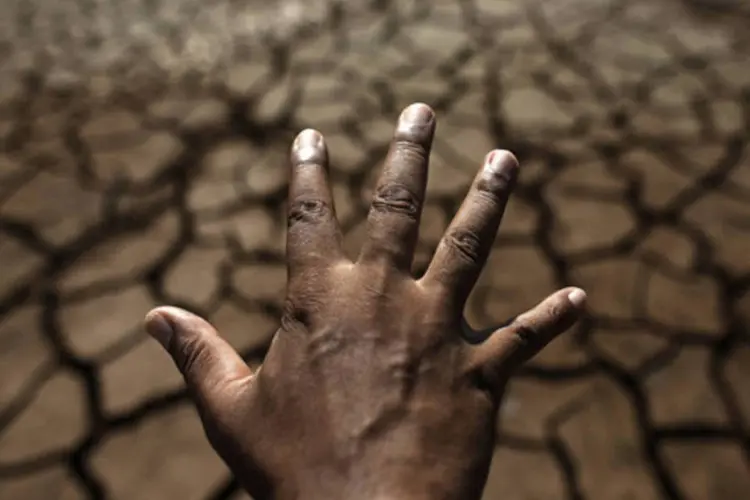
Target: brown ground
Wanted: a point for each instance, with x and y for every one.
(128, 188)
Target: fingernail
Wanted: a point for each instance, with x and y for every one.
(308, 146)
(159, 328)
(577, 297)
(416, 114)
(500, 161)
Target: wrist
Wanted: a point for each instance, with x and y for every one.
(377, 485)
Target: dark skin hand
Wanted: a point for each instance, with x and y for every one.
(369, 389)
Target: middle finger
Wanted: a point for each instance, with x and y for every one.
(393, 222)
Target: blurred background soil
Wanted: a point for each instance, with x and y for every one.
(143, 161)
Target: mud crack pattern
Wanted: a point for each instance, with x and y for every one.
(158, 175)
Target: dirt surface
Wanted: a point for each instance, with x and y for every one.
(142, 162)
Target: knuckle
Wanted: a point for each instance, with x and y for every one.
(293, 316)
(466, 245)
(525, 337)
(308, 211)
(396, 198)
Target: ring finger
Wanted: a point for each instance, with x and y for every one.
(466, 244)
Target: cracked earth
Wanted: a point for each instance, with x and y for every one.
(157, 174)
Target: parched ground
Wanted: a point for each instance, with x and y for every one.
(143, 163)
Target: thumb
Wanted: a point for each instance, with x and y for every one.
(510, 346)
(206, 361)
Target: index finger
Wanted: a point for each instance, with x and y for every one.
(313, 235)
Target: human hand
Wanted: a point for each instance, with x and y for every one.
(368, 390)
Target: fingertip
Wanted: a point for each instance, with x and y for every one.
(171, 314)
(309, 147)
(308, 137)
(499, 174)
(417, 113)
(198, 351)
(158, 327)
(162, 322)
(500, 160)
(577, 297)
(416, 124)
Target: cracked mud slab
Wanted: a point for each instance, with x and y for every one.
(142, 162)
